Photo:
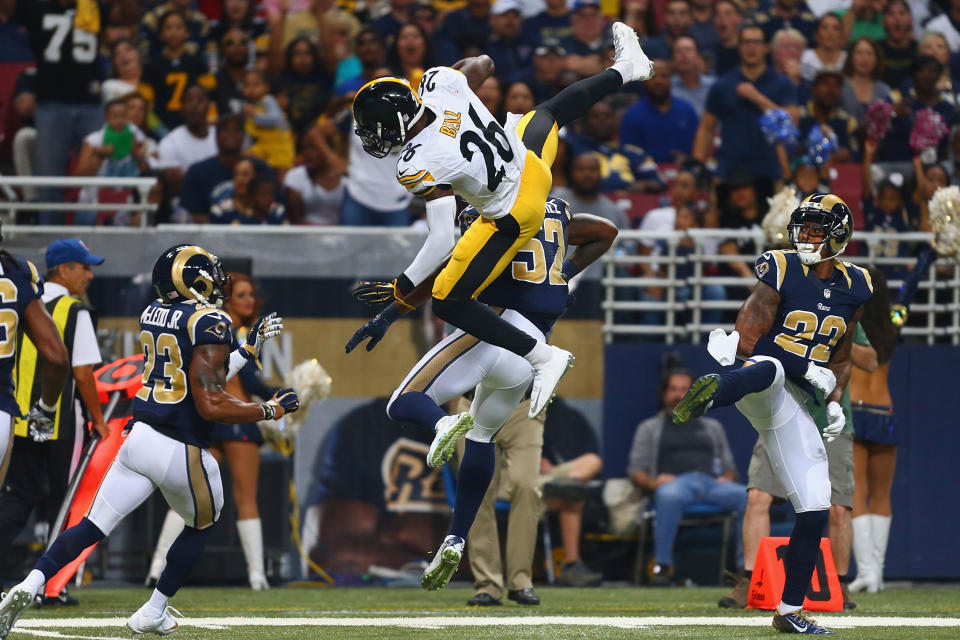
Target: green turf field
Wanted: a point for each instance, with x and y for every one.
(317, 612)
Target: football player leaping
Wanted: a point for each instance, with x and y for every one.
(450, 144)
(186, 344)
(795, 332)
(531, 295)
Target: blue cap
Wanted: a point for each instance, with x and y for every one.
(70, 250)
(582, 4)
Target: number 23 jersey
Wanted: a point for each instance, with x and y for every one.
(813, 314)
(168, 335)
(463, 147)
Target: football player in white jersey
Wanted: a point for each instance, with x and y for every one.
(450, 144)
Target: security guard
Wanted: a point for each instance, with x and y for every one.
(42, 464)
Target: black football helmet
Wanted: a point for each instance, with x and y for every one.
(384, 110)
(188, 272)
(828, 214)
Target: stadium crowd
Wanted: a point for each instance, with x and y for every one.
(242, 108)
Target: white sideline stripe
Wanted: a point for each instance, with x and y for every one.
(437, 622)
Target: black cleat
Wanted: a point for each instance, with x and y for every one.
(698, 399)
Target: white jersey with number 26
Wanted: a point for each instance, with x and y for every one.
(463, 147)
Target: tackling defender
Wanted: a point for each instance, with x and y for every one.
(186, 343)
(531, 295)
(795, 332)
(450, 144)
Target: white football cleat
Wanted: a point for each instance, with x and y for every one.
(546, 377)
(449, 430)
(627, 48)
(12, 607)
(144, 622)
(444, 564)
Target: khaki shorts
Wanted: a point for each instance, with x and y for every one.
(761, 476)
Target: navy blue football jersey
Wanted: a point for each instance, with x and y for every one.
(533, 283)
(813, 314)
(20, 284)
(168, 335)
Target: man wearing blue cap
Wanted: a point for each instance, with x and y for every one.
(40, 469)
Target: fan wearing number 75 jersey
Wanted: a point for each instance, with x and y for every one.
(450, 144)
(186, 345)
(795, 332)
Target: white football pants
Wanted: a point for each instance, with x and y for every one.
(187, 476)
(6, 443)
(792, 440)
(460, 363)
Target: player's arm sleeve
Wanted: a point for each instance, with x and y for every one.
(441, 238)
(771, 269)
(209, 326)
(32, 283)
(85, 348)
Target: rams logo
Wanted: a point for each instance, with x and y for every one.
(219, 330)
(762, 269)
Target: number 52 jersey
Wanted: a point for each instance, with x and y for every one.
(168, 335)
(463, 147)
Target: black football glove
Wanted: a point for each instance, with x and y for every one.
(375, 292)
(40, 424)
(283, 402)
(375, 329)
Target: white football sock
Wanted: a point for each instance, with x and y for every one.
(540, 354)
(624, 68)
(784, 608)
(156, 604)
(34, 582)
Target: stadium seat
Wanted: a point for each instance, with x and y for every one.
(695, 515)
(9, 122)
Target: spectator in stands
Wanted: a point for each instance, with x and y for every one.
(355, 519)
(68, 103)
(946, 24)
(727, 18)
(679, 465)
(425, 15)
(234, 60)
(336, 53)
(828, 53)
(677, 19)
(253, 200)
(369, 49)
(518, 453)
(583, 190)
(701, 26)
(661, 124)
(285, 27)
(585, 48)
(266, 123)
(785, 14)
(934, 44)
(553, 23)
(895, 148)
(193, 141)
(641, 17)
(900, 46)
(689, 82)
(736, 101)
(305, 83)
(388, 25)
(518, 98)
(824, 108)
(491, 95)
(151, 42)
(864, 19)
(739, 209)
(786, 51)
(545, 78)
(209, 180)
(128, 67)
(25, 139)
(568, 462)
(317, 185)
(624, 167)
(862, 84)
(138, 110)
(506, 48)
(14, 41)
(411, 54)
(888, 211)
(467, 27)
(235, 14)
(174, 68)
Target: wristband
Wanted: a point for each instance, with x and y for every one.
(569, 270)
(46, 409)
(402, 286)
(269, 411)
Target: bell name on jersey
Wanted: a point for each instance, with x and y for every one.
(20, 284)
(533, 283)
(168, 335)
(464, 147)
(813, 314)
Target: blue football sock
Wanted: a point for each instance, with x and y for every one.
(181, 558)
(415, 407)
(740, 382)
(801, 555)
(68, 546)
(476, 471)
